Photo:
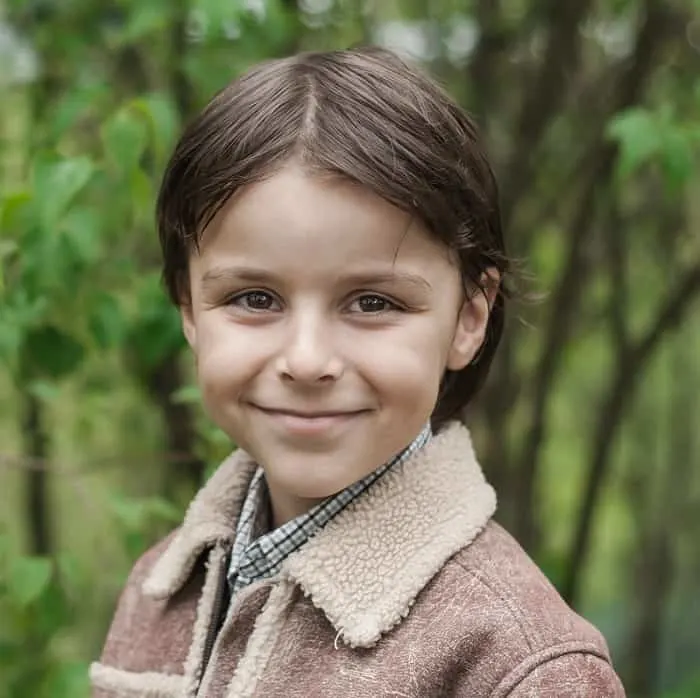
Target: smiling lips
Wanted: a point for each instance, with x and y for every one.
(310, 422)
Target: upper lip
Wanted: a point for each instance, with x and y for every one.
(308, 414)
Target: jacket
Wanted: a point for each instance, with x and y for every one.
(412, 591)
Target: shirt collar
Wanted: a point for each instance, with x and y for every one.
(257, 554)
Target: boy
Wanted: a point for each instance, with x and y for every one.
(331, 235)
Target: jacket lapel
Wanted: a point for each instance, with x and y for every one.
(366, 567)
(210, 519)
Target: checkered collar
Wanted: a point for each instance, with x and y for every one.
(257, 555)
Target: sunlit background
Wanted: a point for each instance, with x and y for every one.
(588, 425)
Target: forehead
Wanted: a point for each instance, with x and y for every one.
(293, 217)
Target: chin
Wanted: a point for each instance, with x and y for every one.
(311, 478)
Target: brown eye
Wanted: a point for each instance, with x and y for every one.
(259, 300)
(255, 301)
(374, 304)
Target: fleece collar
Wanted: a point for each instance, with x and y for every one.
(366, 567)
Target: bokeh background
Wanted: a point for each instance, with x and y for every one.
(589, 423)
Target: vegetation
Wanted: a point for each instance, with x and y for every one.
(586, 427)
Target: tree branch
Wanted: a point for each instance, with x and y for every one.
(569, 286)
(629, 367)
(616, 239)
(543, 98)
(492, 42)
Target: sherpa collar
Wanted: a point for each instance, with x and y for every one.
(365, 569)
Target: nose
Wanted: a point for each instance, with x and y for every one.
(308, 353)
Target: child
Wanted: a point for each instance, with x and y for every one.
(331, 236)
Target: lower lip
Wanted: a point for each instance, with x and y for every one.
(311, 425)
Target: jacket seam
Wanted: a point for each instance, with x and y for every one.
(533, 662)
(501, 594)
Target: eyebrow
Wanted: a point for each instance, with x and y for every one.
(363, 278)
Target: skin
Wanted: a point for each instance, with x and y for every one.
(322, 319)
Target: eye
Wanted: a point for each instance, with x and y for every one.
(372, 303)
(256, 301)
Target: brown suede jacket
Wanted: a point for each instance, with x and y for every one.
(410, 592)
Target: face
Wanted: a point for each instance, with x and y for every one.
(322, 319)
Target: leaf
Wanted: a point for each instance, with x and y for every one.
(81, 228)
(186, 395)
(68, 679)
(7, 249)
(638, 136)
(163, 121)
(146, 18)
(56, 186)
(135, 513)
(12, 207)
(131, 513)
(156, 333)
(49, 351)
(161, 509)
(106, 321)
(677, 158)
(124, 137)
(73, 104)
(141, 192)
(28, 579)
(43, 390)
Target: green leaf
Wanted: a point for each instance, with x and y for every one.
(49, 351)
(125, 137)
(68, 679)
(187, 395)
(106, 321)
(12, 206)
(156, 333)
(7, 249)
(146, 18)
(28, 578)
(56, 186)
(161, 509)
(141, 192)
(163, 121)
(131, 513)
(73, 105)
(43, 390)
(677, 158)
(638, 136)
(81, 232)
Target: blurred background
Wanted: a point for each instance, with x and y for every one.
(588, 425)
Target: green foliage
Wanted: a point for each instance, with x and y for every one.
(646, 136)
(36, 608)
(136, 517)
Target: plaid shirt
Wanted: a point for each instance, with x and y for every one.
(258, 555)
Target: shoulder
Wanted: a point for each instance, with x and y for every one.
(143, 566)
(513, 591)
(533, 643)
(134, 611)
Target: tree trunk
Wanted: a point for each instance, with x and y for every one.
(36, 450)
(185, 469)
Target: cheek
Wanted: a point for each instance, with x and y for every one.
(224, 358)
(408, 371)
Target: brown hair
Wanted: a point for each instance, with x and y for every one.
(360, 114)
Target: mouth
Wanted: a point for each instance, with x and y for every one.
(302, 414)
(309, 423)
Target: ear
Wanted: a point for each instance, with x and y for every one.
(472, 321)
(189, 328)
